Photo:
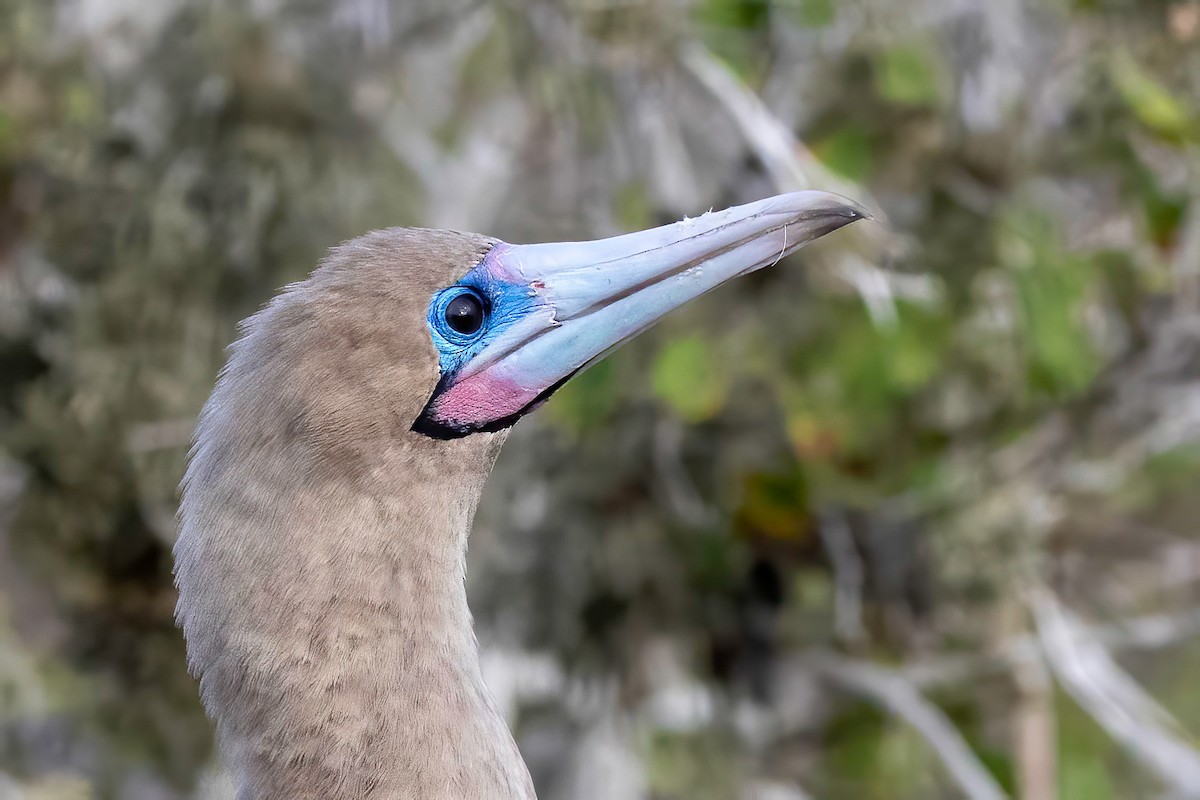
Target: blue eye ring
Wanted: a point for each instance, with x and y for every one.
(459, 314)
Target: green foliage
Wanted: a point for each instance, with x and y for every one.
(736, 31)
(908, 75)
(586, 403)
(1163, 478)
(1151, 102)
(877, 758)
(848, 152)
(1051, 287)
(699, 767)
(776, 506)
(690, 378)
(747, 15)
(1009, 395)
(632, 207)
(816, 13)
(1085, 756)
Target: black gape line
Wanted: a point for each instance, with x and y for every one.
(427, 425)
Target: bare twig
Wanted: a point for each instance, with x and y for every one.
(793, 167)
(848, 577)
(685, 500)
(1140, 633)
(1118, 704)
(899, 696)
(1035, 732)
(762, 790)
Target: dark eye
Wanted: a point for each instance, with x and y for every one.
(465, 313)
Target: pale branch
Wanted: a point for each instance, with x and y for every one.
(1087, 671)
(682, 495)
(848, 576)
(764, 790)
(793, 167)
(1148, 632)
(899, 696)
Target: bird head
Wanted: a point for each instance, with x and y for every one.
(436, 339)
(519, 323)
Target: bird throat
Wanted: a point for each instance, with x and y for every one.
(329, 624)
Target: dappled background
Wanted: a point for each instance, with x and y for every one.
(910, 516)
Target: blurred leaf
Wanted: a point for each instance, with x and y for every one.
(908, 75)
(691, 766)
(1171, 472)
(1084, 755)
(876, 757)
(1052, 287)
(812, 438)
(715, 560)
(631, 205)
(689, 377)
(812, 587)
(775, 506)
(735, 31)
(816, 13)
(847, 152)
(586, 400)
(744, 14)
(912, 349)
(850, 389)
(1151, 102)
(1177, 685)
(81, 106)
(1165, 206)
(854, 738)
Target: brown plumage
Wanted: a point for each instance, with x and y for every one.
(320, 559)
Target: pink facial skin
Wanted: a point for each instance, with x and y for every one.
(474, 402)
(497, 265)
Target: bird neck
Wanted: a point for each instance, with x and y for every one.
(333, 637)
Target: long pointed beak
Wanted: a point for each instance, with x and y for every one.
(555, 308)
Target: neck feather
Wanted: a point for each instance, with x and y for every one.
(328, 622)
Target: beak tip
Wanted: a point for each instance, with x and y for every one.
(845, 207)
(860, 212)
(812, 204)
(837, 213)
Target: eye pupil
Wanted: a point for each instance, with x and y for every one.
(465, 313)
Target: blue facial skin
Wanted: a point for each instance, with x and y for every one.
(503, 304)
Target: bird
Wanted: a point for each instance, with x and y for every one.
(335, 471)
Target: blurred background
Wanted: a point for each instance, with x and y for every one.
(909, 516)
